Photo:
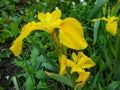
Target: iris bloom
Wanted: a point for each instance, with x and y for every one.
(79, 63)
(111, 25)
(70, 31)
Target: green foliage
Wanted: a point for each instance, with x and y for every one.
(62, 79)
(97, 8)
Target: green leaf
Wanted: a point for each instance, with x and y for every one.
(102, 65)
(34, 53)
(40, 74)
(116, 8)
(49, 66)
(15, 83)
(117, 62)
(96, 28)
(107, 57)
(94, 84)
(113, 86)
(61, 79)
(97, 8)
(43, 86)
(30, 84)
(16, 1)
(39, 60)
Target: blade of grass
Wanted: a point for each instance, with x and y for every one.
(117, 62)
(96, 28)
(113, 86)
(15, 83)
(97, 8)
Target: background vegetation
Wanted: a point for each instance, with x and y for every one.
(38, 47)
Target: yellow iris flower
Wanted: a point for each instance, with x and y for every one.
(111, 25)
(78, 64)
(70, 31)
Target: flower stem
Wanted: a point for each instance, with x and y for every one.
(117, 62)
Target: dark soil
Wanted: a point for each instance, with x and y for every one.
(7, 69)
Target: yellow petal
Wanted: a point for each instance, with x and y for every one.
(63, 64)
(111, 27)
(16, 47)
(71, 34)
(50, 21)
(56, 14)
(26, 30)
(112, 19)
(82, 79)
(41, 16)
(84, 61)
(103, 18)
(74, 56)
(77, 69)
(70, 63)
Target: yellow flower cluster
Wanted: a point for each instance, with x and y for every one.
(70, 31)
(70, 35)
(78, 64)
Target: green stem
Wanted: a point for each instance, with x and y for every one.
(117, 62)
(57, 42)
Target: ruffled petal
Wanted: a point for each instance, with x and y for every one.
(84, 61)
(50, 21)
(71, 34)
(16, 48)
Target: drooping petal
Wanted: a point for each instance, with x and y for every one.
(111, 27)
(82, 79)
(16, 47)
(84, 61)
(63, 64)
(26, 30)
(71, 34)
